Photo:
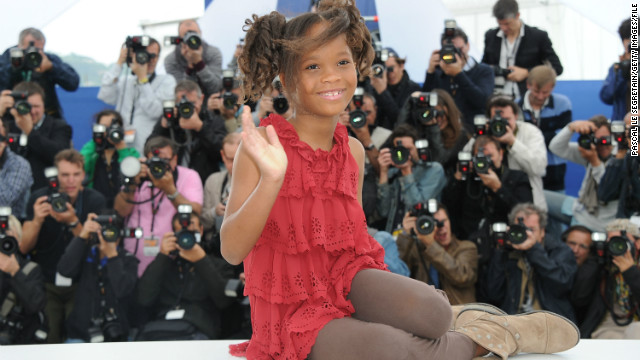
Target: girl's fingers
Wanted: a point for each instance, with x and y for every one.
(272, 136)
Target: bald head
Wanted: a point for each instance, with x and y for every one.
(188, 25)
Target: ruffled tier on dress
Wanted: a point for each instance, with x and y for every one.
(299, 273)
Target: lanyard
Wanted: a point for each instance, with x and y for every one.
(154, 209)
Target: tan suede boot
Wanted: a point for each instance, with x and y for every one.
(539, 332)
(488, 308)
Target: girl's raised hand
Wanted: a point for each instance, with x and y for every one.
(266, 152)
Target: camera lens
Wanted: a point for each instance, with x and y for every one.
(399, 155)
(425, 224)
(585, 141)
(8, 245)
(58, 202)
(498, 127)
(116, 134)
(617, 246)
(157, 169)
(517, 234)
(377, 70)
(357, 118)
(142, 57)
(186, 239)
(33, 60)
(280, 104)
(186, 109)
(110, 233)
(23, 107)
(229, 100)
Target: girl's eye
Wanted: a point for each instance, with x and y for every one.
(311, 67)
(344, 62)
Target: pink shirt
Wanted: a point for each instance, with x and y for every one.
(189, 185)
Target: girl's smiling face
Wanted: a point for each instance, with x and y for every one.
(326, 78)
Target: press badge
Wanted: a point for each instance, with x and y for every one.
(174, 314)
(151, 247)
(62, 280)
(130, 136)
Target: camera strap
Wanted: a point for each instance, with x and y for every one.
(155, 208)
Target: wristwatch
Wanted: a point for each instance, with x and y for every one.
(73, 224)
(370, 147)
(173, 196)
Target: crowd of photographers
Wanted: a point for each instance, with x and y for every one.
(463, 187)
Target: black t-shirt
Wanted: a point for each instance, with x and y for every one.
(54, 237)
(106, 179)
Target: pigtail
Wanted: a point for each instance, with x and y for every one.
(261, 58)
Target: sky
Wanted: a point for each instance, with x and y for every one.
(93, 28)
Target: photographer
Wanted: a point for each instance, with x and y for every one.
(202, 65)
(45, 134)
(533, 273)
(107, 277)
(50, 226)
(102, 160)
(614, 314)
(15, 176)
(392, 89)
(184, 287)
(49, 70)
(469, 83)
(439, 258)
(550, 112)
(230, 114)
(151, 200)
(22, 293)
(198, 133)
(137, 94)
(616, 87)
(515, 48)
(522, 142)
(621, 180)
(444, 130)
(265, 106)
(594, 155)
(404, 179)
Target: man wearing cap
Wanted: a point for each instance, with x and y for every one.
(392, 89)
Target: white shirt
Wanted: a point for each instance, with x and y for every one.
(508, 53)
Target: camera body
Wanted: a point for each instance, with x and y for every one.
(101, 133)
(8, 244)
(27, 59)
(616, 246)
(106, 329)
(481, 162)
(498, 71)
(280, 102)
(229, 99)
(425, 223)
(515, 234)
(379, 61)
(158, 166)
(618, 132)
(448, 51)
(20, 102)
(186, 109)
(57, 199)
(498, 125)
(624, 69)
(111, 227)
(423, 107)
(399, 154)
(191, 39)
(186, 238)
(138, 45)
(357, 117)
(585, 140)
(518, 232)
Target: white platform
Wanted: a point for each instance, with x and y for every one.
(219, 350)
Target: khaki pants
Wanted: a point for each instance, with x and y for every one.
(608, 329)
(59, 305)
(396, 318)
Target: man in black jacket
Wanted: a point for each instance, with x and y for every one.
(517, 48)
(468, 82)
(185, 286)
(199, 135)
(22, 295)
(107, 277)
(45, 135)
(535, 274)
(47, 232)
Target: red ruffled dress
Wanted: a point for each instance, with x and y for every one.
(315, 240)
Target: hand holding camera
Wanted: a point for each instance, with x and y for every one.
(18, 106)
(8, 244)
(454, 68)
(193, 56)
(517, 73)
(409, 225)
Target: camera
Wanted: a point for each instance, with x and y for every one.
(498, 125)
(619, 245)
(57, 199)
(99, 138)
(479, 125)
(380, 59)
(464, 163)
(191, 38)
(280, 103)
(501, 233)
(448, 51)
(422, 146)
(518, 232)
(106, 329)
(229, 99)
(158, 166)
(186, 239)
(138, 44)
(111, 227)
(498, 71)
(234, 288)
(185, 108)
(624, 68)
(585, 140)
(115, 132)
(425, 223)
(27, 59)
(8, 244)
(399, 154)
(357, 117)
(481, 162)
(20, 102)
(618, 130)
(423, 107)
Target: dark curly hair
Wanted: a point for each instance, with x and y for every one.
(275, 46)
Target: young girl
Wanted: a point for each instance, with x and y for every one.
(316, 280)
